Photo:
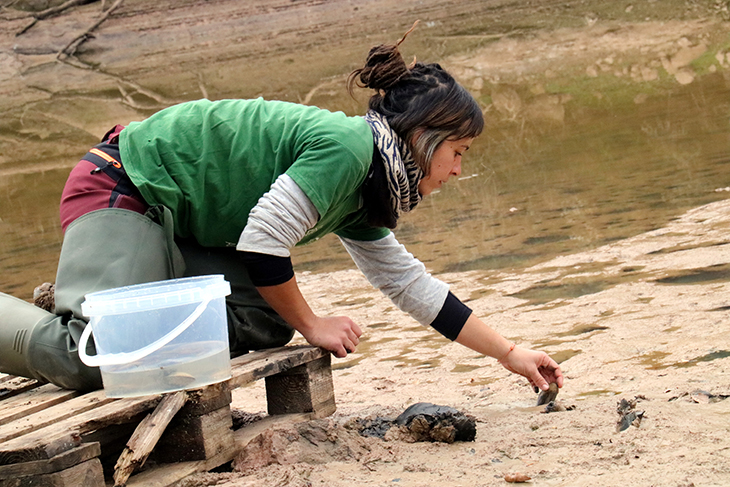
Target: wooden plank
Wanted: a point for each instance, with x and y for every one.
(166, 475)
(13, 385)
(52, 415)
(86, 474)
(33, 401)
(245, 369)
(47, 442)
(196, 438)
(65, 460)
(303, 389)
(203, 425)
(146, 435)
(207, 399)
(200, 401)
(41, 433)
(264, 363)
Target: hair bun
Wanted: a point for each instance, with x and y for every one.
(384, 67)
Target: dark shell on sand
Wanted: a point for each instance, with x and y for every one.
(424, 421)
(430, 422)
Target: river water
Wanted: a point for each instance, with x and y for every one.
(611, 165)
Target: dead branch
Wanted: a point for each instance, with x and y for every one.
(71, 47)
(330, 82)
(50, 12)
(201, 85)
(127, 95)
(26, 28)
(127, 88)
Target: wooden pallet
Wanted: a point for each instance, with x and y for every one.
(55, 437)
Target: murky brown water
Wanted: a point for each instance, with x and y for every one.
(530, 190)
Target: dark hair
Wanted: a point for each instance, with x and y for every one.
(418, 98)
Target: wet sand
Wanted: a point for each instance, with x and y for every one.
(642, 319)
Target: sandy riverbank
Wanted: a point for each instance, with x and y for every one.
(645, 317)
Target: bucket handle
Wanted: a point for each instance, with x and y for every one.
(123, 358)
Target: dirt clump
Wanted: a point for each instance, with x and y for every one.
(313, 442)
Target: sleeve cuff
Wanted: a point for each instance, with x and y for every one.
(267, 270)
(452, 317)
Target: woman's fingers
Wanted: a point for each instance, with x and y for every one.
(552, 375)
(540, 382)
(537, 367)
(551, 372)
(354, 339)
(349, 339)
(357, 331)
(345, 347)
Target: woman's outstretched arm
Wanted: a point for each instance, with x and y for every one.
(537, 367)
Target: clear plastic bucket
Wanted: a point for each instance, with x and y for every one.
(160, 336)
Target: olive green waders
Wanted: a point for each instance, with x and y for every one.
(111, 248)
(103, 249)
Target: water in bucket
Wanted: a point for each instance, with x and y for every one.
(171, 370)
(159, 337)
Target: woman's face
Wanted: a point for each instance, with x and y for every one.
(446, 162)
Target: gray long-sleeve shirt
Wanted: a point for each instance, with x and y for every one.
(284, 215)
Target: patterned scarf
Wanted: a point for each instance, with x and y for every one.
(402, 173)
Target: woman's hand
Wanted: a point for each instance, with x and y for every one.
(536, 367)
(338, 334)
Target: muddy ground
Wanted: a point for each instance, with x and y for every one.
(644, 318)
(649, 323)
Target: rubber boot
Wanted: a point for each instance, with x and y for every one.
(101, 250)
(17, 319)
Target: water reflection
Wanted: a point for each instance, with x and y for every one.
(535, 190)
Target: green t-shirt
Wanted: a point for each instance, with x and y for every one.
(210, 162)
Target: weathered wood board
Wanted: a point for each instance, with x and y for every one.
(55, 437)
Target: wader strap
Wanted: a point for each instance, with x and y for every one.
(162, 215)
